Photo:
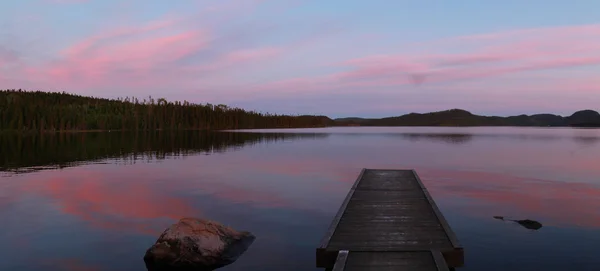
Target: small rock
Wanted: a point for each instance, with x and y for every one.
(196, 244)
(526, 223)
(529, 224)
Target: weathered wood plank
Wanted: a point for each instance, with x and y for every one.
(389, 211)
(325, 257)
(340, 263)
(439, 260)
(438, 213)
(394, 248)
(340, 212)
(454, 257)
(396, 261)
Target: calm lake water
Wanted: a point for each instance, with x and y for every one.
(97, 201)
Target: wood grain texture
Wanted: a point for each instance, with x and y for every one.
(340, 263)
(389, 211)
(392, 261)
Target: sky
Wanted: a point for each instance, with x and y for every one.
(339, 58)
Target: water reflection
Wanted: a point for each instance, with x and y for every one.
(49, 151)
(559, 204)
(68, 264)
(286, 188)
(140, 198)
(587, 140)
(458, 134)
(444, 138)
(117, 200)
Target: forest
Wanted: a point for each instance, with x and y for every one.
(37, 111)
(59, 111)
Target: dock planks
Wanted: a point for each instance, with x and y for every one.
(388, 213)
(390, 261)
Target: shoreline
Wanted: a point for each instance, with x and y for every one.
(152, 130)
(2, 132)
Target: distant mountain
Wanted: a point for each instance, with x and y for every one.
(584, 118)
(459, 117)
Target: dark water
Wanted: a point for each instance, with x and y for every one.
(97, 201)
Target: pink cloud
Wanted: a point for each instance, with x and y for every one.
(106, 60)
(151, 55)
(118, 57)
(538, 52)
(89, 43)
(156, 54)
(490, 55)
(252, 54)
(238, 58)
(260, 55)
(183, 55)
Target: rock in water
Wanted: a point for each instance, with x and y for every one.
(529, 224)
(196, 244)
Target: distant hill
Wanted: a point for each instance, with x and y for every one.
(459, 117)
(584, 118)
(351, 121)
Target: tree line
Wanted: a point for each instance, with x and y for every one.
(55, 111)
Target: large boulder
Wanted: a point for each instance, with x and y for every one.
(196, 244)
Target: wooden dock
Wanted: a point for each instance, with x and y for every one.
(384, 261)
(388, 221)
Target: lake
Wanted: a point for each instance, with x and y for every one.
(97, 201)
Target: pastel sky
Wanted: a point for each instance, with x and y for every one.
(334, 57)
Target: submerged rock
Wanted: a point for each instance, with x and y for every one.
(196, 244)
(529, 224)
(526, 223)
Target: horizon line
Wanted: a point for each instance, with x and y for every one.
(121, 99)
